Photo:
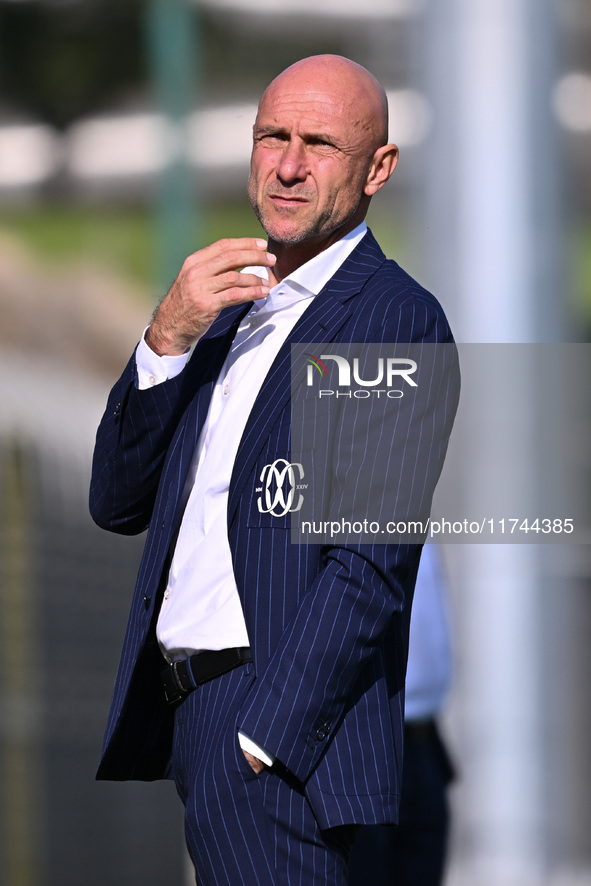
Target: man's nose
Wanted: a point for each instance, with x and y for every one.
(292, 166)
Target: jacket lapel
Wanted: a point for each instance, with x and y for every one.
(321, 322)
(210, 352)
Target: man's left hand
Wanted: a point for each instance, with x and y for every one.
(254, 762)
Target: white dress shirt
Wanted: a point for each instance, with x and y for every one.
(429, 669)
(201, 607)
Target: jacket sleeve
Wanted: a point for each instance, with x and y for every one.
(138, 426)
(299, 700)
(131, 445)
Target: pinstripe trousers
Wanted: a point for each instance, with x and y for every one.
(244, 829)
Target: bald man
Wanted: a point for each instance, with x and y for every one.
(266, 678)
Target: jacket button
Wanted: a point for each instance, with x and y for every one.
(147, 601)
(321, 731)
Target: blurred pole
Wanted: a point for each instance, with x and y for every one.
(492, 222)
(492, 196)
(172, 37)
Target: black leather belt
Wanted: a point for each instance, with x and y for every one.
(421, 730)
(182, 677)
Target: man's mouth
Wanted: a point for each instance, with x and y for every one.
(288, 199)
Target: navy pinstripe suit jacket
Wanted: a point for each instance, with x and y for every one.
(328, 624)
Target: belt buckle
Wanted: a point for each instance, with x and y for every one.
(173, 690)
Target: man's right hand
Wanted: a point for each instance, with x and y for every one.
(209, 281)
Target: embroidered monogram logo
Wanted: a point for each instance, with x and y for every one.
(280, 484)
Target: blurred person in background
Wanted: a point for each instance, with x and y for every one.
(414, 852)
(266, 678)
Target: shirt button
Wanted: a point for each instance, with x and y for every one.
(167, 593)
(226, 390)
(152, 379)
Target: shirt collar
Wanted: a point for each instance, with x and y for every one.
(312, 276)
(315, 274)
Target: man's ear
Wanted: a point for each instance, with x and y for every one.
(382, 166)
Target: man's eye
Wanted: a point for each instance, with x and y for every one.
(274, 137)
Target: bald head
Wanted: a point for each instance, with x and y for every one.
(319, 153)
(361, 96)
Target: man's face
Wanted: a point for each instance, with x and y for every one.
(310, 159)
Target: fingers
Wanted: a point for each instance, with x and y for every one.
(231, 254)
(255, 764)
(209, 281)
(215, 269)
(237, 280)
